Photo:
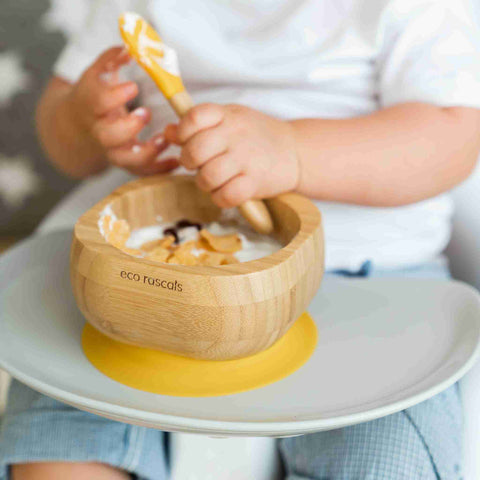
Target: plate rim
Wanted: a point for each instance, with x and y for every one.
(183, 423)
(262, 428)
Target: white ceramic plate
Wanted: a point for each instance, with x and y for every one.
(384, 345)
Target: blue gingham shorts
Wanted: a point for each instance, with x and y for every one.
(420, 443)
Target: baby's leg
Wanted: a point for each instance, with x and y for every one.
(420, 443)
(62, 471)
(73, 444)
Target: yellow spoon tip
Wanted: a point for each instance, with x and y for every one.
(146, 46)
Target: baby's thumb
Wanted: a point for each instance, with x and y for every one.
(170, 134)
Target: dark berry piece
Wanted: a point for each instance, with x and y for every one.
(187, 223)
(171, 231)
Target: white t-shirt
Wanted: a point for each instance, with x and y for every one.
(314, 58)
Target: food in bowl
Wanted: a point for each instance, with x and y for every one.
(185, 242)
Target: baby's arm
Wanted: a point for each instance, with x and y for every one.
(85, 126)
(399, 155)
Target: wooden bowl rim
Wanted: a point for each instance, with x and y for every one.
(308, 214)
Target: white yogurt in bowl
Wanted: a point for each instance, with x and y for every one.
(254, 245)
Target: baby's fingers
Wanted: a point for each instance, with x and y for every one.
(109, 60)
(162, 165)
(142, 159)
(102, 99)
(135, 153)
(97, 96)
(237, 191)
(112, 132)
(198, 118)
(202, 147)
(217, 172)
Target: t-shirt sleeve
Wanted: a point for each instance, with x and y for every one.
(429, 51)
(99, 33)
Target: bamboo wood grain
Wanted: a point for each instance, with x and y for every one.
(197, 311)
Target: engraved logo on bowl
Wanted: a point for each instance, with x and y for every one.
(152, 281)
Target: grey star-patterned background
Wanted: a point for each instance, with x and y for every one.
(32, 34)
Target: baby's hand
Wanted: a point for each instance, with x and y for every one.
(98, 104)
(240, 153)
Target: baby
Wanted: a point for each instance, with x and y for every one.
(371, 107)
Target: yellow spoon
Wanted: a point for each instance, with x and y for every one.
(160, 62)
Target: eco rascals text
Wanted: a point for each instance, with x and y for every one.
(154, 282)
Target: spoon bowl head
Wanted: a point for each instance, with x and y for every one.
(146, 46)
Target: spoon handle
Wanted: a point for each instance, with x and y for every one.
(181, 102)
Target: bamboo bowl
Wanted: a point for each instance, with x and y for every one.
(202, 312)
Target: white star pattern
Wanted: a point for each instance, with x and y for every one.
(13, 78)
(18, 180)
(66, 16)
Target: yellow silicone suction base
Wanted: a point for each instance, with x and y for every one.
(166, 374)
